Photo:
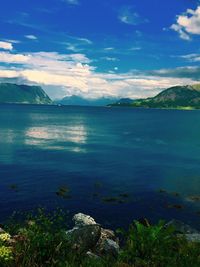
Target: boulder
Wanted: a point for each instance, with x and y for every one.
(81, 219)
(88, 237)
(83, 238)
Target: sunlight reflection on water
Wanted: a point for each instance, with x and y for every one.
(49, 136)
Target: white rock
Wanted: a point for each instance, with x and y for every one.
(81, 219)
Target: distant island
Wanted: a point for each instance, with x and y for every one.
(177, 97)
(23, 94)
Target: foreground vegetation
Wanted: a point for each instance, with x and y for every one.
(40, 240)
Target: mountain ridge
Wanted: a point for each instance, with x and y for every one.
(176, 97)
(11, 93)
(81, 101)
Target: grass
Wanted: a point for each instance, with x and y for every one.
(40, 241)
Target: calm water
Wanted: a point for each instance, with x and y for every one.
(100, 153)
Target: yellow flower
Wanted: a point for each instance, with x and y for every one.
(5, 237)
(5, 254)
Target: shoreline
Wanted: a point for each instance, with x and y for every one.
(108, 106)
(42, 241)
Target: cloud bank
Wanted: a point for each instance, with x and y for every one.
(68, 74)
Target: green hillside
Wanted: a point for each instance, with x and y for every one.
(177, 97)
(24, 94)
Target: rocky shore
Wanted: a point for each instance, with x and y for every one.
(89, 239)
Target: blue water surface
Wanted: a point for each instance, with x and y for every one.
(114, 161)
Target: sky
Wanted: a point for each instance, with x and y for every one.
(100, 48)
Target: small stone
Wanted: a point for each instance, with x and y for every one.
(81, 219)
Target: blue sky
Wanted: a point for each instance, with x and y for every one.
(93, 48)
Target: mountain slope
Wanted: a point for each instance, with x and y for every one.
(80, 101)
(124, 101)
(13, 93)
(175, 97)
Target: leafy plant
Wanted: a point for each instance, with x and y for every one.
(157, 246)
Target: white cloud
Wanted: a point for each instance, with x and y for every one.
(74, 74)
(50, 68)
(129, 16)
(109, 48)
(72, 47)
(13, 58)
(188, 24)
(110, 58)
(6, 45)
(191, 57)
(71, 2)
(43, 59)
(8, 73)
(12, 41)
(84, 40)
(135, 48)
(76, 44)
(31, 37)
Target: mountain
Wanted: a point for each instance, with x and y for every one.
(124, 101)
(23, 94)
(81, 101)
(180, 97)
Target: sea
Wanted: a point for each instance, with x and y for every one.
(116, 164)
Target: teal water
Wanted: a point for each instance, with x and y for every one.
(114, 161)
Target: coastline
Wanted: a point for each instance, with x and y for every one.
(42, 241)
